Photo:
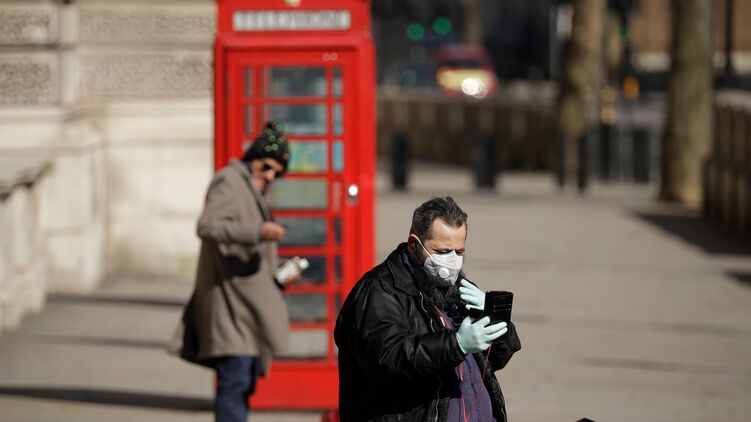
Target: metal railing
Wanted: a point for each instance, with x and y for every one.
(520, 132)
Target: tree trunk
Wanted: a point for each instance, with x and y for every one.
(580, 78)
(688, 130)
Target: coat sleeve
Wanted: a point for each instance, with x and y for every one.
(385, 345)
(221, 220)
(504, 348)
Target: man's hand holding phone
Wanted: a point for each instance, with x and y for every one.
(471, 294)
(494, 304)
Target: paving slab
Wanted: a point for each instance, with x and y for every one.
(628, 310)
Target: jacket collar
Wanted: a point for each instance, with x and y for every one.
(244, 170)
(400, 272)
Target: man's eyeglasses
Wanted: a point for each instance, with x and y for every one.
(268, 167)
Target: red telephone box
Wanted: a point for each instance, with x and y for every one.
(310, 65)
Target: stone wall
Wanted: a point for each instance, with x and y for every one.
(24, 264)
(159, 163)
(29, 63)
(145, 73)
(72, 207)
(118, 95)
(29, 79)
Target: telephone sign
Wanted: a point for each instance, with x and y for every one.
(310, 65)
(291, 21)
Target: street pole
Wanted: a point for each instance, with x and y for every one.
(472, 22)
(729, 77)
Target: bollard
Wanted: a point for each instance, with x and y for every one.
(484, 161)
(583, 173)
(706, 186)
(399, 161)
(745, 203)
(640, 155)
(606, 151)
(560, 159)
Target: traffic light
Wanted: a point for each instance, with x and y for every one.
(442, 25)
(415, 31)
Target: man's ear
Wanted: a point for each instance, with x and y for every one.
(412, 243)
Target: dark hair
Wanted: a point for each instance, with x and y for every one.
(444, 208)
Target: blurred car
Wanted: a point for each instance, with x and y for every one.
(465, 70)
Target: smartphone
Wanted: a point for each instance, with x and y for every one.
(498, 306)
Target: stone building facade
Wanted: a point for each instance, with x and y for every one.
(118, 95)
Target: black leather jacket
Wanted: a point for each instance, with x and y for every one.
(395, 355)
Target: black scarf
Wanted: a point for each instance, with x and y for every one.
(445, 298)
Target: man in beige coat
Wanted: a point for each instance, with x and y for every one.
(236, 320)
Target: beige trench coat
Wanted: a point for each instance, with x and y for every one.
(236, 308)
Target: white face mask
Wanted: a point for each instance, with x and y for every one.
(443, 268)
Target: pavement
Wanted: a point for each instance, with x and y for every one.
(628, 310)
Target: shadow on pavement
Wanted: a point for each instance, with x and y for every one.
(99, 341)
(652, 365)
(693, 229)
(111, 397)
(116, 300)
(639, 326)
(741, 277)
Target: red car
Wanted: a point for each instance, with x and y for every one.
(465, 70)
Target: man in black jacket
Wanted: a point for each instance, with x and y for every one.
(408, 350)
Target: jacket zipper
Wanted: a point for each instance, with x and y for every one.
(426, 312)
(438, 392)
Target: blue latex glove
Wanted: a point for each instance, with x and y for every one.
(477, 336)
(474, 297)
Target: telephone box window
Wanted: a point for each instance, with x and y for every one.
(308, 157)
(307, 344)
(300, 119)
(338, 269)
(296, 82)
(249, 130)
(338, 152)
(338, 124)
(248, 81)
(307, 307)
(299, 194)
(303, 231)
(338, 230)
(337, 82)
(337, 302)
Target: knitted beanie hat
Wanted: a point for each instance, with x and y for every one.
(271, 143)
